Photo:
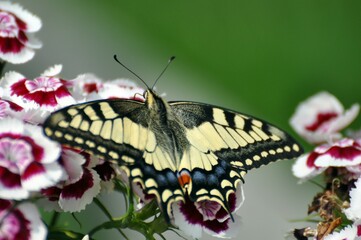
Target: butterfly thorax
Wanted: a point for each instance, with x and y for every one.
(169, 131)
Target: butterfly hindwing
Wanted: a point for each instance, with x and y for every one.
(224, 145)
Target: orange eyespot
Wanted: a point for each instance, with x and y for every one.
(184, 179)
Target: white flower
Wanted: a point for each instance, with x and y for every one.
(343, 153)
(28, 160)
(354, 211)
(194, 218)
(20, 221)
(17, 25)
(321, 117)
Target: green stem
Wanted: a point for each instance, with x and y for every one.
(119, 186)
(107, 213)
(54, 220)
(2, 66)
(134, 220)
(103, 208)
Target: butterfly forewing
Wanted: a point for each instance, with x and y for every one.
(119, 130)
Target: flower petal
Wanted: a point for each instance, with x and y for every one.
(320, 117)
(38, 176)
(33, 23)
(20, 222)
(346, 152)
(304, 167)
(37, 227)
(52, 71)
(10, 186)
(76, 196)
(354, 211)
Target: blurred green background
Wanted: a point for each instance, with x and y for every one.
(259, 57)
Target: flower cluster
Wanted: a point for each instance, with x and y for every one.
(38, 172)
(320, 120)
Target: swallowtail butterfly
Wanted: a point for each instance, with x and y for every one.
(173, 148)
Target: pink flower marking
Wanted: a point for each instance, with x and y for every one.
(208, 209)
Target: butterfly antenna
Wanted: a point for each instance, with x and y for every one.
(169, 62)
(116, 59)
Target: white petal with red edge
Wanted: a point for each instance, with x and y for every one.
(231, 232)
(301, 170)
(193, 230)
(306, 112)
(51, 148)
(8, 79)
(345, 152)
(15, 193)
(37, 227)
(52, 71)
(322, 105)
(33, 23)
(25, 55)
(53, 173)
(327, 160)
(73, 204)
(354, 211)
(86, 84)
(73, 162)
(6, 83)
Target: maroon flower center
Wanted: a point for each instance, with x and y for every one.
(321, 119)
(90, 87)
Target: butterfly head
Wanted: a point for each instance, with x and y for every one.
(153, 101)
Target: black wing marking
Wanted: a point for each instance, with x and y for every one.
(119, 130)
(224, 145)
